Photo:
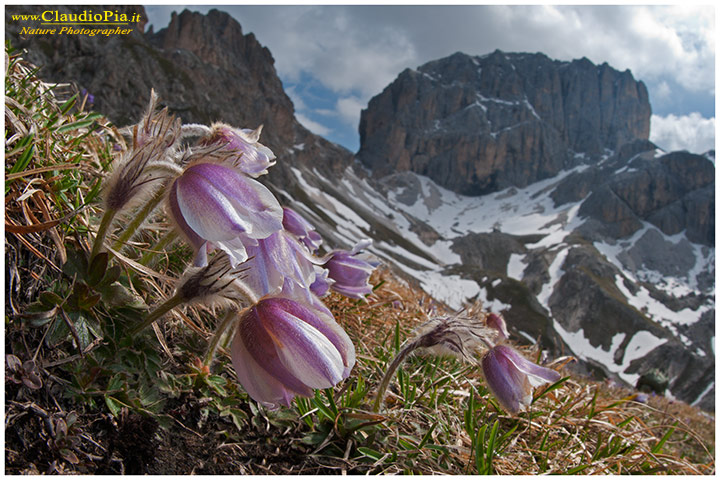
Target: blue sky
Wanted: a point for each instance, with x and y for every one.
(333, 58)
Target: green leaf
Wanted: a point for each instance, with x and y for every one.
(76, 264)
(369, 452)
(50, 299)
(22, 162)
(68, 104)
(239, 417)
(577, 469)
(314, 438)
(427, 436)
(85, 329)
(116, 295)
(112, 274)
(98, 268)
(217, 383)
(69, 455)
(37, 314)
(57, 333)
(658, 447)
(88, 302)
(114, 405)
(75, 125)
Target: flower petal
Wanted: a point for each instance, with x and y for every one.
(508, 384)
(208, 212)
(176, 214)
(304, 350)
(537, 375)
(250, 198)
(262, 347)
(257, 382)
(277, 258)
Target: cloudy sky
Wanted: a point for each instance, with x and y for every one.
(332, 59)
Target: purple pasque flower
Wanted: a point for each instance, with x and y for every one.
(278, 258)
(497, 322)
(301, 228)
(350, 271)
(511, 377)
(255, 158)
(284, 348)
(215, 205)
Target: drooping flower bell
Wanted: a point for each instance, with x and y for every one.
(302, 229)
(255, 158)
(350, 271)
(511, 377)
(276, 259)
(215, 205)
(284, 348)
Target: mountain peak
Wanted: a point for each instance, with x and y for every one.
(480, 124)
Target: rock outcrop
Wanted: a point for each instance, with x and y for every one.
(675, 192)
(204, 68)
(479, 124)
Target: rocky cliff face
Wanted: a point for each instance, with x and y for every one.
(675, 192)
(204, 68)
(479, 124)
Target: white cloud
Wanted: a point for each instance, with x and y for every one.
(363, 47)
(355, 51)
(687, 132)
(349, 109)
(330, 44)
(663, 90)
(312, 125)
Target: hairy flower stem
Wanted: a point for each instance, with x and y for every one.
(139, 219)
(158, 247)
(102, 232)
(164, 308)
(396, 362)
(226, 322)
(232, 315)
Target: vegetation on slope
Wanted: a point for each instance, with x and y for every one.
(81, 399)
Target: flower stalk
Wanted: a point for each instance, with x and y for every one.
(390, 372)
(136, 222)
(166, 239)
(161, 310)
(105, 223)
(226, 322)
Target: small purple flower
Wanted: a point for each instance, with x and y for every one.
(497, 322)
(255, 157)
(301, 228)
(511, 377)
(215, 205)
(284, 348)
(90, 98)
(350, 272)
